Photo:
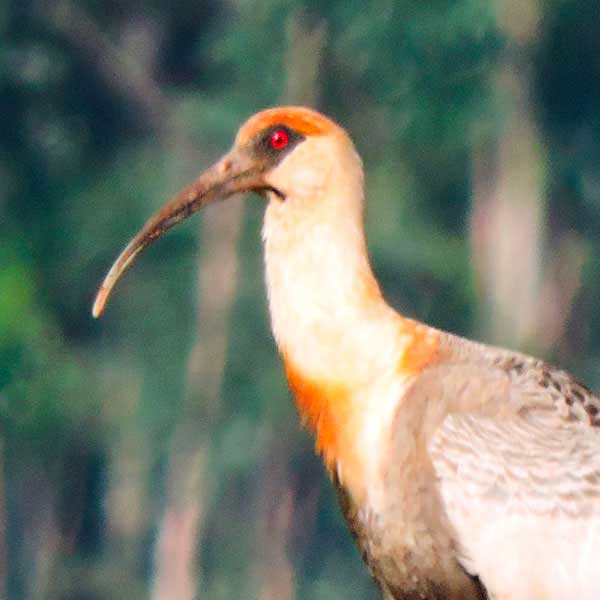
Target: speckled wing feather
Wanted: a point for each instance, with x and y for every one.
(516, 456)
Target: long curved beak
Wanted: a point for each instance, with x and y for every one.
(235, 172)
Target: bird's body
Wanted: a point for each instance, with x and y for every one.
(462, 469)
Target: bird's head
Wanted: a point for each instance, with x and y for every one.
(288, 154)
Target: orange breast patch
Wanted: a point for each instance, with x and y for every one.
(329, 410)
(326, 409)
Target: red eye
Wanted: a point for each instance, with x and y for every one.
(279, 139)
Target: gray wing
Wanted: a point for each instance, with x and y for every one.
(517, 465)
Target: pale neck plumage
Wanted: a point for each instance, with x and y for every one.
(327, 312)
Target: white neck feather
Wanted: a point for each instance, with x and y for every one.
(327, 313)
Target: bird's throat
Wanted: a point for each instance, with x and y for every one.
(324, 301)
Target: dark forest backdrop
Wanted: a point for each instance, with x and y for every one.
(156, 453)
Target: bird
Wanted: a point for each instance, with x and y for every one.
(464, 471)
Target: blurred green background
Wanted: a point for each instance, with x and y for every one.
(156, 453)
